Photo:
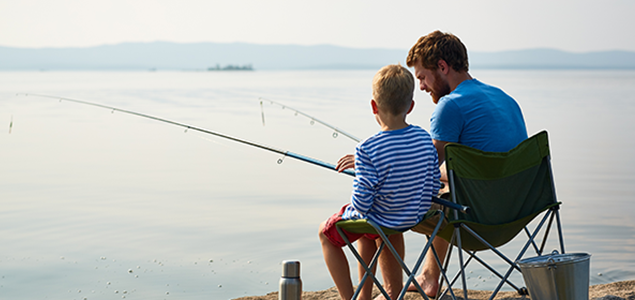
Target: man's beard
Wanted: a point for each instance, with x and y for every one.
(441, 88)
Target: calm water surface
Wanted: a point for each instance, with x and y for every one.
(102, 205)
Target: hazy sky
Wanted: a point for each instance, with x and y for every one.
(488, 25)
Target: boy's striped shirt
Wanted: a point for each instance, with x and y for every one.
(396, 175)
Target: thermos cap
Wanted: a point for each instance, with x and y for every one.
(291, 269)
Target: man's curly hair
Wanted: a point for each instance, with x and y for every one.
(435, 46)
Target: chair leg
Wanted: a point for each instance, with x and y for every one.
(520, 255)
(444, 271)
(458, 274)
(366, 267)
(561, 238)
(538, 251)
(392, 249)
(411, 275)
(386, 243)
(484, 264)
(467, 262)
(545, 237)
(458, 235)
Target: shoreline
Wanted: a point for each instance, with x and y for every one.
(621, 290)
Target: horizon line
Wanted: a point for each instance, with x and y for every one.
(300, 45)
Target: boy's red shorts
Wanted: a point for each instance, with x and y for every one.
(330, 231)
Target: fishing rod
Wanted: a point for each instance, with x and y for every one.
(190, 127)
(336, 132)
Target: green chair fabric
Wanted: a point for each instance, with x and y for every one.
(363, 226)
(504, 190)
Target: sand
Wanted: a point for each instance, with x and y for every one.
(611, 291)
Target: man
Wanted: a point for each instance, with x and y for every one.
(468, 112)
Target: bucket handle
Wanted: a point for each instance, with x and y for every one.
(551, 263)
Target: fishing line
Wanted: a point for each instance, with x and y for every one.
(190, 127)
(336, 131)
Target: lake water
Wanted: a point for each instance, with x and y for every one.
(103, 205)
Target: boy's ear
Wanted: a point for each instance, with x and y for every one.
(412, 105)
(373, 104)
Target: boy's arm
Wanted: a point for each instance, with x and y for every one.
(364, 184)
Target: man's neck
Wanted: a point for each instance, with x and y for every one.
(455, 78)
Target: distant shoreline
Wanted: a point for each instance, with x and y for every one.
(231, 68)
(178, 56)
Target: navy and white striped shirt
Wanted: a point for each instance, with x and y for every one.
(396, 175)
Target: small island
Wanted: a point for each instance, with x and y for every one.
(231, 68)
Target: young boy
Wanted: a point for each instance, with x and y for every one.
(397, 173)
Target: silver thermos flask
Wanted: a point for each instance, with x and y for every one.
(290, 282)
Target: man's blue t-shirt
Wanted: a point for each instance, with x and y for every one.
(479, 116)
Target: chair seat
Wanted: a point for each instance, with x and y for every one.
(496, 235)
(362, 226)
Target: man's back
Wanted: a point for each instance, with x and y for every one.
(480, 116)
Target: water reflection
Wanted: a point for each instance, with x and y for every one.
(88, 195)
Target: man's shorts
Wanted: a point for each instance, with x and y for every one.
(330, 230)
(427, 226)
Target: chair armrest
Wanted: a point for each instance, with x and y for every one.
(461, 208)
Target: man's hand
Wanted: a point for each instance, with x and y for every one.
(346, 162)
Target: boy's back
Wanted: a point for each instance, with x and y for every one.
(397, 173)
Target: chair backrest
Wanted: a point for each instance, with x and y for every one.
(501, 187)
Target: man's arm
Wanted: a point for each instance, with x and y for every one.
(439, 145)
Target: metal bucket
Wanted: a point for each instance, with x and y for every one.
(557, 276)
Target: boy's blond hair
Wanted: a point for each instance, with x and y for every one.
(393, 89)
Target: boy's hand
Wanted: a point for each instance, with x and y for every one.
(346, 162)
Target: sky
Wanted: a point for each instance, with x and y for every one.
(487, 25)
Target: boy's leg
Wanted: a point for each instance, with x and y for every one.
(366, 248)
(337, 264)
(391, 271)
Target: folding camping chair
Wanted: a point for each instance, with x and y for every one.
(368, 226)
(505, 192)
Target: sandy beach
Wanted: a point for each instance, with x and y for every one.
(611, 291)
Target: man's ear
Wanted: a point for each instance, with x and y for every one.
(373, 104)
(412, 105)
(443, 66)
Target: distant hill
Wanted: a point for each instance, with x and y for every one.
(552, 59)
(202, 56)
